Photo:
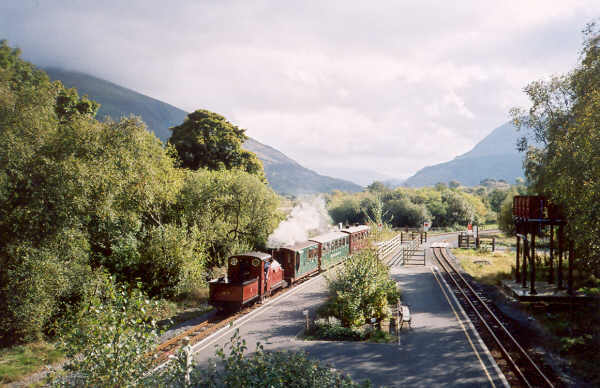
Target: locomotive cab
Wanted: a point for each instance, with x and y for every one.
(250, 276)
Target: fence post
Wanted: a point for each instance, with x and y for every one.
(187, 351)
(493, 243)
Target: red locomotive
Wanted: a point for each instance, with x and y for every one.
(250, 276)
(254, 275)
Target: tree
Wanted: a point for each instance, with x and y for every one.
(377, 187)
(564, 117)
(207, 140)
(454, 184)
(233, 209)
(505, 221)
(496, 197)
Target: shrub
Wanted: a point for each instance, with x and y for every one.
(361, 290)
(261, 369)
(172, 260)
(332, 330)
(109, 342)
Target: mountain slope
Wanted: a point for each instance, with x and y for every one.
(493, 157)
(288, 177)
(284, 174)
(117, 101)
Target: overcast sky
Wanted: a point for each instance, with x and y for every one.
(387, 86)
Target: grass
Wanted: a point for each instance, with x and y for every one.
(19, 361)
(184, 307)
(499, 267)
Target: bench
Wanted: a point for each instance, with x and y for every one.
(404, 316)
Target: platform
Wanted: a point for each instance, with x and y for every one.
(545, 293)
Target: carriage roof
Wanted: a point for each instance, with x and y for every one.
(298, 246)
(356, 229)
(258, 255)
(323, 238)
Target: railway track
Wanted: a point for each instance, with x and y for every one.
(491, 328)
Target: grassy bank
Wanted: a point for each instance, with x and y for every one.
(486, 267)
(20, 361)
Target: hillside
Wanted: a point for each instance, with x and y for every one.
(493, 157)
(288, 177)
(117, 101)
(284, 174)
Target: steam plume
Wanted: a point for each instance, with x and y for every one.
(308, 217)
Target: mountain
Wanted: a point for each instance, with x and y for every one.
(493, 157)
(363, 177)
(284, 174)
(117, 101)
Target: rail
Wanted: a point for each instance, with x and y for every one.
(493, 326)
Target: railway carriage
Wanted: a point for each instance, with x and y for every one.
(333, 248)
(246, 281)
(358, 237)
(298, 260)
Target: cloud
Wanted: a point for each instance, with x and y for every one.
(336, 84)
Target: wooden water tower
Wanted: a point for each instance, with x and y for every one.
(531, 214)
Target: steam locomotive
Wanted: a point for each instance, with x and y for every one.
(252, 276)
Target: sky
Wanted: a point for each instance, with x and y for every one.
(348, 88)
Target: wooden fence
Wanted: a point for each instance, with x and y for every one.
(400, 249)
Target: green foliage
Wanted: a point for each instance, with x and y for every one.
(496, 197)
(332, 330)
(77, 194)
(69, 104)
(172, 260)
(362, 290)
(505, 221)
(40, 284)
(565, 118)
(22, 360)
(233, 209)
(207, 140)
(410, 207)
(107, 345)
(260, 369)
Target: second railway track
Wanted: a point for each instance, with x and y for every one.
(492, 329)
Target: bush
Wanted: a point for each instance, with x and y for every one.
(261, 369)
(109, 342)
(332, 330)
(505, 221)
(172, 260)
(361, 290)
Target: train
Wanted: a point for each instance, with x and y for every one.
(252, 276)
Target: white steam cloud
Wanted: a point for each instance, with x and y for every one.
(308, 217)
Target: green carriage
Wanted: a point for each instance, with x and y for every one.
(333, 248)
